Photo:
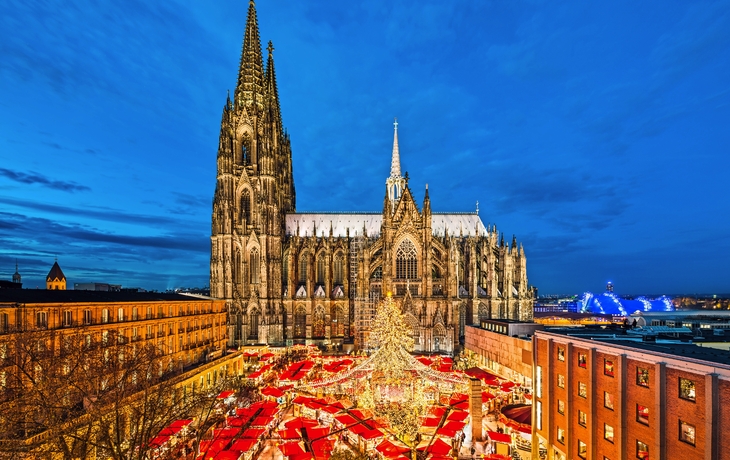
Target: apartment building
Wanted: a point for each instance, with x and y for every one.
(613, 398)
(187, 329)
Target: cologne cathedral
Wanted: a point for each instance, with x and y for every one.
(316, 278)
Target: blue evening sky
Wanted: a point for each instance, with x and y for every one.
(597, 132)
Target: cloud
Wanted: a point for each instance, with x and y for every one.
(36, 178)
(105, 214)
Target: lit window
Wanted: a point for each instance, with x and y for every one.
(642, 450)
(561, 381)
(642, 414)
(582, 449)
(686, 389)
(561, 406)
(608, 367)
(686, 432)
(608, 432)
(642, 377)
(538, 411)
(538, 381)
(607, 400)
(582, 418)
(406, 261)
(561, 435)
(582, 360)
(561, 354)
(582, 390)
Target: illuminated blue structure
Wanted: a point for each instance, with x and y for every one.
(611, 304)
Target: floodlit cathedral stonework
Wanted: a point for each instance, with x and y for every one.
(290, 277)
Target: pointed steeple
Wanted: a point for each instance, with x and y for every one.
(271, 90)
(395, 160)
(249, 88)
(16, 275)
(395, 183)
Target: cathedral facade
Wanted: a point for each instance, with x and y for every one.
(290, 277)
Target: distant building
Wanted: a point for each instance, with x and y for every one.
(613, 396)
(97, 287)
(56, 280)
(16, 283)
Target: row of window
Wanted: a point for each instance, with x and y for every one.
(686, 434)
(686, 386)
(68, 316)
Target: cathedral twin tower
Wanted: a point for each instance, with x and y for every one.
(293, 277)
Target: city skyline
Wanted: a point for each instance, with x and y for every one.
(593, 134)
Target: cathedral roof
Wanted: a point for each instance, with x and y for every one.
(453, 223)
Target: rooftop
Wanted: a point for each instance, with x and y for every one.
(71, 296)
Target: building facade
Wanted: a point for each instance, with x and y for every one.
(291, 277)
(609, 400)
(187, 330)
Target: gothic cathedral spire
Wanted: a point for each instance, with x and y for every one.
(249, 88)
(395, 183)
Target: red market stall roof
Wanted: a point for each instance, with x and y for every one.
(390, 450)
(438, 446)
(499, 437)
(262, 421)
(481, 374)
(158, 441)
(458, 415)
(253, 433)
(507, 386)
(292, 448)
(225, 433)
(346, 419)
(316, 432)
(300, 422)
(244, 444)
(259, 372)
(487, 396)
(210, 447)
(266, 356)
(236, 421)
(181, 423)
(520, 413)
(225, 394)
(437, 411)
(289, 433)
(424, 360)
(371, 434)
(228, 455)
(272, 391)
(170, 431)
(431, 422)
(297, 371)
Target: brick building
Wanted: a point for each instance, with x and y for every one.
(617, 399)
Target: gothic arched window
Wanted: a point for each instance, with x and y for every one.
(246, 151)
(320, 269)
(406, 261)
(254, 266)
(253, 324)
(303, 265)
(338, 269)
(318, 322)
(238, 267)
(300, 323)
(285, 269)
(245, 207)
(338, 321)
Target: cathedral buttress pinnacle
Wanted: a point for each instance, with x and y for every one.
(249, 88)
(272, 91)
